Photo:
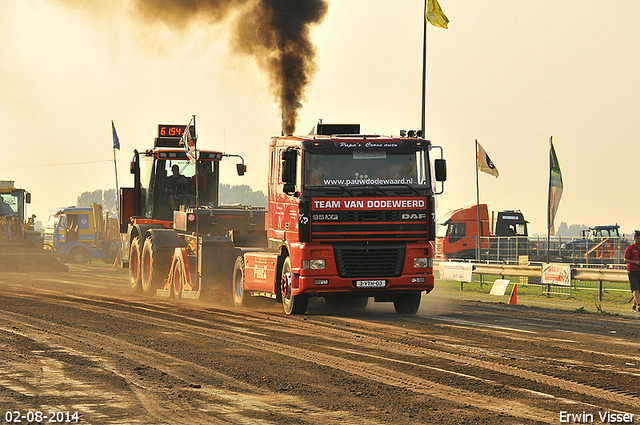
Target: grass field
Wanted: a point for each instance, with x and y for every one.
(616, 302)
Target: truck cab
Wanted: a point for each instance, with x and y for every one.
(81, 234)
(457, 233)
(350, 217)
(504, 236)
(13, 228)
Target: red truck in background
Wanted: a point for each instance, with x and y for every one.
(457, 233)
(504, 236)
(350, 217)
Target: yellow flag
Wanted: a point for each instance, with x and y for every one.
(435, 15)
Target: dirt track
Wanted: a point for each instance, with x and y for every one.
(78, 341)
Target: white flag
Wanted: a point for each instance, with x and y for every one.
(189, 144)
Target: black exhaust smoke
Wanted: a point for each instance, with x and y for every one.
(276, 33)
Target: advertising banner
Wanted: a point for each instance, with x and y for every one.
(462, 272)
(556, 274)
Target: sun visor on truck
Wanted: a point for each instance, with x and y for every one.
(331, 129)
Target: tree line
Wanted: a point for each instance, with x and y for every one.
(242, 194)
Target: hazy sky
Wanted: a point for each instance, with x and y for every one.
(510, 74)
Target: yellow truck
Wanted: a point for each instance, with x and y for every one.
(81, 234)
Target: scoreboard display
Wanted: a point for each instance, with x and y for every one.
(169, 135)
(172, 130)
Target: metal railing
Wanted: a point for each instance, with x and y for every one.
(582, 275)
(553, 249)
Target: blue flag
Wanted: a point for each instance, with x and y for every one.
(116, 141)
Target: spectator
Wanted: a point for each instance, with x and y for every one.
(632, 258)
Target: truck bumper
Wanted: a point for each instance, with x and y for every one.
(366, 287)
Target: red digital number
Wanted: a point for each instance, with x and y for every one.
(171, 131)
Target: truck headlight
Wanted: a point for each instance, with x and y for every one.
(313, 264)
(422, 262)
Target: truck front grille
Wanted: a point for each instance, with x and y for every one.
(369, 260)
(368, 225)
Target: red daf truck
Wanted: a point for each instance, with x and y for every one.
(350, 217)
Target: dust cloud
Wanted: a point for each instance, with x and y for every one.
(275, 33)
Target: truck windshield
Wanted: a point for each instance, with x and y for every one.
(607, 233)
(379, 168)
(11, 204)
(53, 220)
(171, 183)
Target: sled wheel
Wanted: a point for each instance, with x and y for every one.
(177, 283)
(135, 275)
(240, 296)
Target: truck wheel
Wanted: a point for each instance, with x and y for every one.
(293, 304)
(240, 297)
(177, 282)
(407, 304)
(78, 256)
(154, 266)
(135, 276)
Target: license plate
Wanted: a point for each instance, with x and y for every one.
(371, 283)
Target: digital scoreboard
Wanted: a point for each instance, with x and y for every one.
(172, 130)
(169, 135)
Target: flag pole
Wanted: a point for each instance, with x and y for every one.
(115, 166)
(549, 199)
(197, 157)
(116, 144)
(477, 204)
(424, 73)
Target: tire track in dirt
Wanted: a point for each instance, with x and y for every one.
(228, 405)
(378, 373)
(369, 337)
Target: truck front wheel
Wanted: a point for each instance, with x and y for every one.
(79, 256)
(293, 304)
(135, 275)
(407, 304)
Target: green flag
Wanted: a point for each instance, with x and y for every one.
(555, 188)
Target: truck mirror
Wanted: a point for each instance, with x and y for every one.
(289, 158)
(440, 169)
(241, 168)
(289, 188)
(27, 198)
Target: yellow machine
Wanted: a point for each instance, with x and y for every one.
(21, 247)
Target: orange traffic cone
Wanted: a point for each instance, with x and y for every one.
(115, 263)
(513, 299)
